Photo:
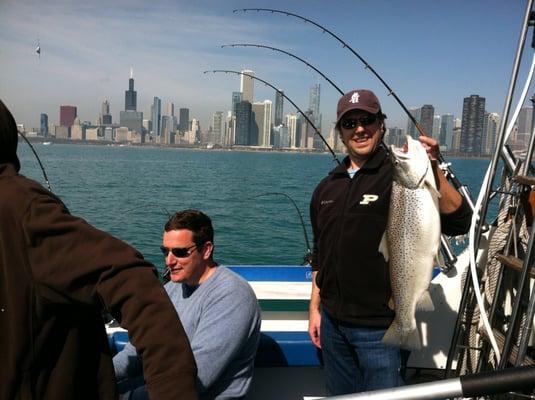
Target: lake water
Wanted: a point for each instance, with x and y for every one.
(127, 191)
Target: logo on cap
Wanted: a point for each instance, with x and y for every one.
(355, 98)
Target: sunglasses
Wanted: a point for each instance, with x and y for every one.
(179, 252)
(351, 123)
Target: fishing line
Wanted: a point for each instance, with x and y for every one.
(475, 217)
(308, 256)
(38, 160)
(287, 98)
(449, 173)
(308, 65)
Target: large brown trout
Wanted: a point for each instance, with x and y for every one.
(411, 242)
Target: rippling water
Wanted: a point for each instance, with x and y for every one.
(128, 191)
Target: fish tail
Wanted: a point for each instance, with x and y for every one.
(406, 339)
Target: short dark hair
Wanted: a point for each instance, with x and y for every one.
(8, 137)
(194, 220)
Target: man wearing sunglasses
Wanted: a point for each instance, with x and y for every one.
(58, 274)
(218, 309)
(348, 312)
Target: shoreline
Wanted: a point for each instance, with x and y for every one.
(42, 139)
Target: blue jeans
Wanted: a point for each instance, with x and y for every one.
(355, 358)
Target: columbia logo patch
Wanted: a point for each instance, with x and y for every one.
(368, 198)
(325, 202)
(355, 98)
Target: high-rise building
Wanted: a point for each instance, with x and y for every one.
(260, 133)
(170, 109)
(247, 85)
(76, 130)
(314, 105)
(133, 120)
(156, 117)
(395, 136)
(130, 95)
(217, 127)
(43, 130)
(279, 106)
(436, 126)
(236, 98)
(491, 124)
(105, 116)
(183, 122)
(291, 123)
(445, 137)
(67, 114)
(243, 123)
(472, 125)
(427, 113)
(411, 128)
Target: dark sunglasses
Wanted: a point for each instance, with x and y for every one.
(351, 123)
(178, 251)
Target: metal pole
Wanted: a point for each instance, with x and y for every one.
(482, 384)
(503, 123)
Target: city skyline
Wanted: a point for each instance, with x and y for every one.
(429, 52)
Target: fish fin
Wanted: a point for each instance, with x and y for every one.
(391, 304)
(383, 247)
(409, 340)
(425, 303)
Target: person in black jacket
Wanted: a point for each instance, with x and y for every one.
(57, 275)
(349, 311)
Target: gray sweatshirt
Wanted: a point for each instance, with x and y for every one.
(221, 318)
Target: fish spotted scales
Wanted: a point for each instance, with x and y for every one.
(411, 241)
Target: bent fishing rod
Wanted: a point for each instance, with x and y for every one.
(38, 160)
(289, 54)
(449, 256)
(443, 165)
(287, 98)
(308, 256)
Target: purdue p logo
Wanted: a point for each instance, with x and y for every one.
(368, 198)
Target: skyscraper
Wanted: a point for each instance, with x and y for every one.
(291, 123)
(243, 123)
(427, 112)
(105, 116)
(247, 85)
(43, 130)
(491, 125)
(279, 106)
(261, 123)
(130, 95)
(67, 114)
(156, 117)
(472, 125)
(217, 127)
(314, 104)
(445, 137)
(183, 123)
(170, 109)
(411, 128)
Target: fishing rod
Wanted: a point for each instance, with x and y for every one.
(287, 98)
(289, 54)
(38, 160)
(308, 256)
(448, 254)
(443, 165)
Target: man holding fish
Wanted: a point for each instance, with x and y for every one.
(377, 220)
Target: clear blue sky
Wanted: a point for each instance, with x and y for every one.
(429, 51)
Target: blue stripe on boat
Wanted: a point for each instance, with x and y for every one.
(280, 273)
(273, 273)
